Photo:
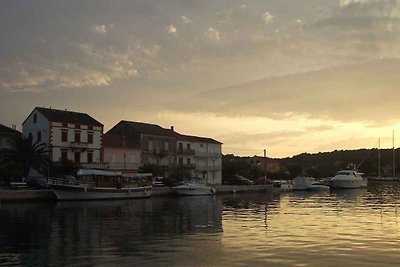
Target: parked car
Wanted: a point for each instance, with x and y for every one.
(238, 180)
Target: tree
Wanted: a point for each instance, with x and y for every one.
(26, 155)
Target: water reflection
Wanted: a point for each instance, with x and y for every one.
(350, 227)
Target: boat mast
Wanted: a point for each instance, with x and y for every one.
(394, 156)
(379, 158)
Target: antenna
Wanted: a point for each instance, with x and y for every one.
(379, 158)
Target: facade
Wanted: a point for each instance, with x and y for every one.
(68, 135)
(5, 134)
(157, 145)
(119, 154)
(201, 155)
(267, 164)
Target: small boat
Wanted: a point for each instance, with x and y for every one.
(308, 183)
(282, 185)
(347, 179)
(194, 188)
(92, 184)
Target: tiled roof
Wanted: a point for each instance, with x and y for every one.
(7, 130)
(195, 138)
(57, 115)
(147, 128)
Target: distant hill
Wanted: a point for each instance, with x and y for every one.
(325, 164)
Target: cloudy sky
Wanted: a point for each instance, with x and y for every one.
(290, 76)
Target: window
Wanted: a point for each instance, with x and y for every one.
(65, 125)
(39, 136)
(188, 161)
(180, 161)
(34, 118)
(77, 157)
(77, 126)
(90, 156)
(64, 155)
(77, 137)
(180, 146)
(188, 146)
(166, 146)
(90, 138)
(64, 135)
(30, 136)
(90, 127)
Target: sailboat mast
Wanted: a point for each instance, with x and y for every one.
(379, 158)
(394, 156)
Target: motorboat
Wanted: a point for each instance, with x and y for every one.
(93, 184)
(308, 183)
(194, 188)
(282, 185)
(348, 179)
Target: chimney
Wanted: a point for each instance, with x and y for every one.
(172, 128)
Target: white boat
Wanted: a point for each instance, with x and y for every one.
(348, 179)
(308, 183)
(282, 185)
(194, 188)
(99, 184)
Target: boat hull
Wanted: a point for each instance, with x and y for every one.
(193, 191)
(82, 193)
(347, 184)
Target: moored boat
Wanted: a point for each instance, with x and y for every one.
(308, 183)
(94, 184)
(194, 188)
(348, 179)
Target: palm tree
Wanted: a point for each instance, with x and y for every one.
(26, 154)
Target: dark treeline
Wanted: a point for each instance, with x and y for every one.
(318, 165)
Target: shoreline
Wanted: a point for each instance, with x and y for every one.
(23, 195)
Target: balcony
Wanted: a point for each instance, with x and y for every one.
(186, 166)
(158, 151)
(186, 151)
(78, 145)
(112, 165)
(201, 154)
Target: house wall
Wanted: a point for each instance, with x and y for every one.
(158, 150)
(41, 125)
(118, 158)
(83, 147)
(207, 160)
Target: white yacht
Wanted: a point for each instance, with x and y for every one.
(348, 179)
(194, 188)
(308, 183)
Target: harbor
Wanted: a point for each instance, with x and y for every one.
(355, 227)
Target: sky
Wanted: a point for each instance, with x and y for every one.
(288, 76)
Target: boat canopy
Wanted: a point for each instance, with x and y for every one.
(89, 172)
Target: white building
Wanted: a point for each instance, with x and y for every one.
(69, 135)
(202, 155)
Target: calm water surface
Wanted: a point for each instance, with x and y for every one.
(349, 228)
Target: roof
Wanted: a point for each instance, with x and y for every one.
(113, 140)
(7, 130)
(57, 115)
(147, 128)
(195, 138)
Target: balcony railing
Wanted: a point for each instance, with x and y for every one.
(158, 151)
(79, 144)
(185, 151)
(202, 154)
(186, 166)
(112, 165)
